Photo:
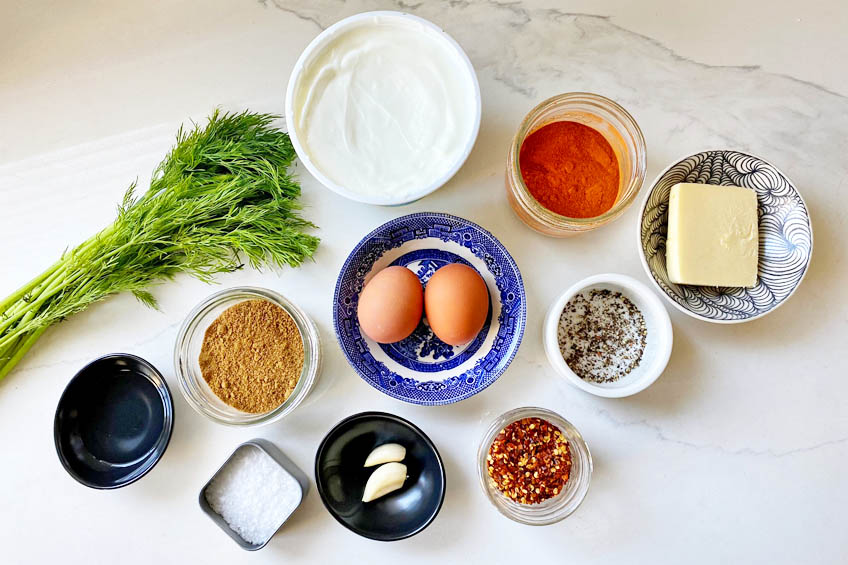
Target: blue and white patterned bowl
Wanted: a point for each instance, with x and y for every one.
(422, 369)
(785, 231)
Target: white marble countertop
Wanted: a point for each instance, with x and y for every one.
(738, 453)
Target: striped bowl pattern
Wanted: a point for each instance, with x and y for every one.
(785, 234)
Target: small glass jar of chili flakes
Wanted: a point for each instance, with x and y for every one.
(534, 466)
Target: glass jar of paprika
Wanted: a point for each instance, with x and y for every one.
(625, 142)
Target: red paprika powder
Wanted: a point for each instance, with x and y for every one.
(570, 169)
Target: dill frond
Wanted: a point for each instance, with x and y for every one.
(221, 194)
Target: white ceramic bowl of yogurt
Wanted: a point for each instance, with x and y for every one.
(383, 107)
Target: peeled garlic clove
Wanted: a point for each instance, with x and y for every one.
(386, 453)
(385, 479)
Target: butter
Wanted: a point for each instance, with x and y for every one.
(712, 235)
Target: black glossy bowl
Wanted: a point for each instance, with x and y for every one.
(340, 477)
(113, 422)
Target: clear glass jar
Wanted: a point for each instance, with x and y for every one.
(190, 340)
(556, 508)
(610, 120)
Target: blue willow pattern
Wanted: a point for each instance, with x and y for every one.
(459, 376)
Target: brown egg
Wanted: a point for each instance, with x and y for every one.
(456, 302)
(390, 305)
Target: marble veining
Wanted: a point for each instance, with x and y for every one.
(552, 50)
(661, 434)
(742, 440)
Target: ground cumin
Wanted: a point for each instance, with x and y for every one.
(252, 356)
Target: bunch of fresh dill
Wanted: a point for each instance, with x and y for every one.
(222, 194)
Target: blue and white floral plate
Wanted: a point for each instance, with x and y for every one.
(422, 369)
(786, 237)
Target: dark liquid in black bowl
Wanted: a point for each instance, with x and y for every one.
(120, 423)
(109, 422)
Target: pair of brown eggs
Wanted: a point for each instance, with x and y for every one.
(456, 303)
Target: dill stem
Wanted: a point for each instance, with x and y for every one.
(13, 298)
(23, 305)
(10, 337)
(6, 352)
(50, 288)
(54, 284)
(13, 303)
(20, 350)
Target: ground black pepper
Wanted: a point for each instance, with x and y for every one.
(602, 335)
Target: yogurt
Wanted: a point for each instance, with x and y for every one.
(385, 108)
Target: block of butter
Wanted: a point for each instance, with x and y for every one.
(712, 235)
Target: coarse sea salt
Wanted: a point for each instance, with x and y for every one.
(602, 335)
(253, 494)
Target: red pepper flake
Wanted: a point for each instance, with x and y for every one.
(529, 461)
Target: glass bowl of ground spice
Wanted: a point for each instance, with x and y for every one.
(576, 163)
(534, 466)
(246, 356)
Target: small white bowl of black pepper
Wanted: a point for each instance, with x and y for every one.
(608, 335)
